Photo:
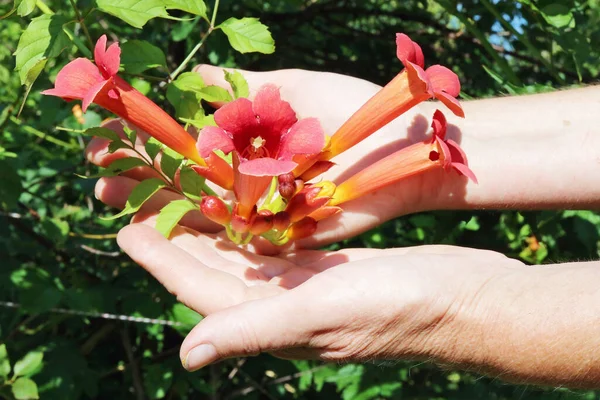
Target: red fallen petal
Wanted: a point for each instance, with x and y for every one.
(275, 115)
(90, 96)
(107, 60)
(443, 79)
(408, 51)
(213, 138)
(266, 167)
(305, 137)
(439, 125)
(451, 103)
(236, 116)
(466, 171)
(75, 79)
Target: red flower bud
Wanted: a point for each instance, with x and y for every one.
(281, 221)
(215, 209)
(301, 229)
(309, 199)
(262, 223)
(287, 190)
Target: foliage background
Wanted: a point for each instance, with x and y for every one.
(56, 253)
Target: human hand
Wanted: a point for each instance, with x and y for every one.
(353, 304)
(332, 98)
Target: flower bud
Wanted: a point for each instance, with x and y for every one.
(309, 199)
(281, 221)
(215, 209)
(240, 224)
(287, 190)
(301, 229)
(262, 223)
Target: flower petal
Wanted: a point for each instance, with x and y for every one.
(451, 103)
(445, 150)
(443, 80)
(91, 94)
(439, 125)
(213, 138)
(466, 171)
(75, 80)
(107, 60)
(305, 137)
(405, 49)
(236, 116)
(459, 160)
(275, 115)
(266, 167)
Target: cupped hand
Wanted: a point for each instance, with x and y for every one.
(332, 98)
(353, 304)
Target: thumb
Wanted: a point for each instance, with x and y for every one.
(274, 324)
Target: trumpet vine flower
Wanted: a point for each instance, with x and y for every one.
(99, 83)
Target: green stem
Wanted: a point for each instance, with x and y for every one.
(192, 53)
(470, 25)
(42, 135)
(247, 239)
(271, 193)
(82, 23)
(206, 189)
(43, 7)
(523, 39)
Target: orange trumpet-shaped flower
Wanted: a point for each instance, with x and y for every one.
(99, 83)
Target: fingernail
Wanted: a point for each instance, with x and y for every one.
(200, 356)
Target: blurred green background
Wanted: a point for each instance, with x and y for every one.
(57, 256)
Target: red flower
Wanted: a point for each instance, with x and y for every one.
(82, 80)
(452, 155)
(443, 84)
(265, 134)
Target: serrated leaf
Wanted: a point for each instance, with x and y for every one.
(139, 195)
(114, 146)
(248, 35)
(186, 103)
(4, 362)
(191, 183)
(135, 12)
(558, 15)
(196, 7)
(103, 133)
(25, 389)
(138, 56)
(153, 147)
(170, 162)
(238, 83)
(200, 123)
(30, 78)
(130, 133)
(28, 364)
(171, 214)
(190, 81)
(43, 38)
(215, 93)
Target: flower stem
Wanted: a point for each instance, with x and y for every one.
(82, 23)
(192, 53)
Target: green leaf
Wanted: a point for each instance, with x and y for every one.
(30, 78)
(171, 214)
(238, 83)
(182, 94)
(119, 166)
(29, 364)
(170, 162)
(191, 81)
(4, 362)
(43, 38)
(153, 147)
(201, 122)
(139, 195)
(103, 133)
(138, 55)
(191, 183)
(186, 316)
(158, 378)
(558, 15)
(248, 35)
(55, 229)
(10, 188)
(22, 7)
(114, 146)
(214, 93)
(131, 134)
(25, 389)
(182, 30)
(196, 7)
(135, 12)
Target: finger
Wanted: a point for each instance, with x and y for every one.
(114, 191)
(273, 324)
(201, 288)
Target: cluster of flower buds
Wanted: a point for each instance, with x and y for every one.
(274, 161)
